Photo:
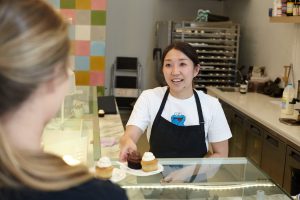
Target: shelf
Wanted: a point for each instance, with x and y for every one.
(217, 46)
(285, 19)
(126, 81)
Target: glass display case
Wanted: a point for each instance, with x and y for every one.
(217, 178)
(74, 132)
(76, 137)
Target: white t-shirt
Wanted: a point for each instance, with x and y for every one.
(147, 106)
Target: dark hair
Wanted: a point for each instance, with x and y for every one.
(185, 48)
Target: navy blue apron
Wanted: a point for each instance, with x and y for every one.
(168, 140)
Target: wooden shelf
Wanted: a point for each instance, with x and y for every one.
(285, 19)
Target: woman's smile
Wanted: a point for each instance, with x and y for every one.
(177, 80)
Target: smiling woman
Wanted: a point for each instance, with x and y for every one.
(180, 121)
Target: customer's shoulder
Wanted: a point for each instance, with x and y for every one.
(93, 189)
(104, 189)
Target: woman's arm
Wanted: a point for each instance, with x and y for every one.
(220, 149)
(128, 141)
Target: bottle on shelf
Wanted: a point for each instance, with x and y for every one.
(297, 3)
(279, 8)
(296, 8)
(274, 10)
(284, 7)
(287, 97)
(289, 7)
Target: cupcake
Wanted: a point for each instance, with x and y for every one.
(149, 162)
(104, 168)
(101, 113)
(134, 160)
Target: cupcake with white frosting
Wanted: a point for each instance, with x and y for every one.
(104, 168)
(149, 162)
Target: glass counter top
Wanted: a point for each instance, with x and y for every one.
(217, 178)
(74, 131)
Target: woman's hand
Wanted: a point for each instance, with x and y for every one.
(128, 141)
(126, 146)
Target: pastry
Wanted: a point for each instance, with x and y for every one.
(149, 162)
(101, 113)
(104, 168)
(134, 160)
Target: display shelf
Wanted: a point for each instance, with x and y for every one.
(126, 81)
(217, 44)
(218, 178)
(285, 19)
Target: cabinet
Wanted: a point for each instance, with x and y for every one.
(273, 157)
(254, 144)
(217, 45)
(236, 123)
(291, 181)
(237, 144)
(252, 140)
(227, 111)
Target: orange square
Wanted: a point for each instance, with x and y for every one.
(83, 4)
(97, 63)
(82, 77)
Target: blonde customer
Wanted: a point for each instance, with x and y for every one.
(34, 49)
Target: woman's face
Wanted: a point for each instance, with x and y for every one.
(179, 71)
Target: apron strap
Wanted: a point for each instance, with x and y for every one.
(200, 114)
(163, 103)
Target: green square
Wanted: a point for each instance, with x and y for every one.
(100, 91)
(67, 4)
(98, 17)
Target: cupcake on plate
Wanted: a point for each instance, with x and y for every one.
(104, 168)
(149, 162)
(134, 160)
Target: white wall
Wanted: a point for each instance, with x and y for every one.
(131, 26)
(262, 43)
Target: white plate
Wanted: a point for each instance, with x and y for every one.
(139, 172)
(117, 174)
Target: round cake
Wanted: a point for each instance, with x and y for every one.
(149, 162)
(134, 160)
(104, 168)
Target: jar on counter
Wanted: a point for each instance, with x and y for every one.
(244, 87)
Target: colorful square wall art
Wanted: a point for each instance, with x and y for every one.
(87, 24)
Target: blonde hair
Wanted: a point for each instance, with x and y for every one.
(33, 43)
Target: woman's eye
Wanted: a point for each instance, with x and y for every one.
(182, 64)
(167, 65)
